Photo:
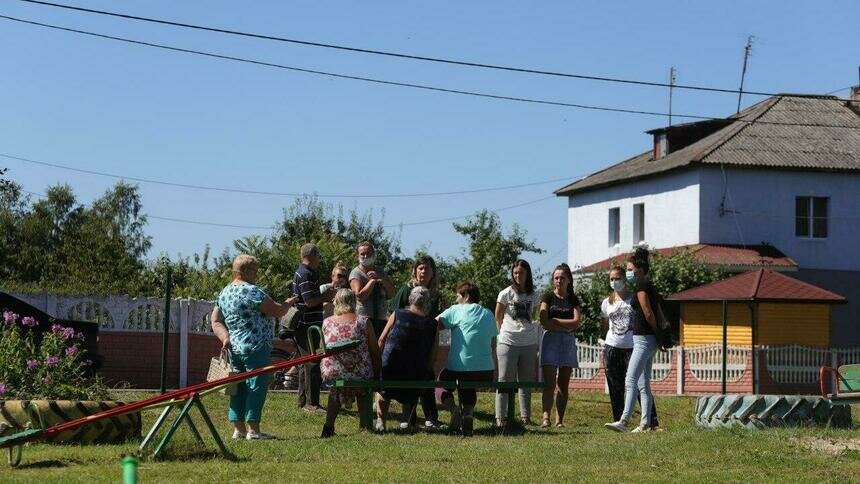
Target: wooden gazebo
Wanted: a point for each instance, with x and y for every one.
(760, 307)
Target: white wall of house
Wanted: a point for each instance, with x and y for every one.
(760, 207)
(671, 204)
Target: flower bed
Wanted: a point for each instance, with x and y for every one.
(50, 372)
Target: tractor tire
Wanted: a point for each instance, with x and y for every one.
(763, 411)
(18, 415)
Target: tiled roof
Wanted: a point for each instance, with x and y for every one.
(760, 285)
(781, 132)
(728, 257)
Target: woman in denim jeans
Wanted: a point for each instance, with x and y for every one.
(638, 380)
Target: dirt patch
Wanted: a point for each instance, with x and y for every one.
(828, 446)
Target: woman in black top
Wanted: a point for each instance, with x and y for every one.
(638, 382)
(559, 316)
(408, 346)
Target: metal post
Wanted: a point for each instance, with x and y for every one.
(725, 342)
(166, 327)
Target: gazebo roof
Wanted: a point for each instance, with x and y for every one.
(762, 285)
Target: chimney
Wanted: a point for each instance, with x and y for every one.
(661, 145)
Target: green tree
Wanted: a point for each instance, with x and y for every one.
(488, 258)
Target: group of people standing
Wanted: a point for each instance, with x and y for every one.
(397, 328)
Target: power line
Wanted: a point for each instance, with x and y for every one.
(412, 85)
(391, 54)
(261, 227)
(284, 194)
(458, 217)
(345, 76)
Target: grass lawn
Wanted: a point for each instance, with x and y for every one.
(582, 451)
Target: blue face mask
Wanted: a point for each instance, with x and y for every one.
(631, 276)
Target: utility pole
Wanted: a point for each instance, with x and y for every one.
(747, 51)
(672, 73)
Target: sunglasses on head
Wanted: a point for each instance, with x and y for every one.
(340, 276)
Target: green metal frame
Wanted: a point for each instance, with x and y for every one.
(183, 416)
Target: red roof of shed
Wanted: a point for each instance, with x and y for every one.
(760, 285)
(727, 256)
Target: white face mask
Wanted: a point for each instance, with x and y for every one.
(617, 285)
(366, 261)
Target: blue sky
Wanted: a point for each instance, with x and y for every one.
(137, 111)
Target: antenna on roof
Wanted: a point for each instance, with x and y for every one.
(672, 73)
(747, 51)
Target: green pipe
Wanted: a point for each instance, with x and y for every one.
(166, 326)
(129, 469)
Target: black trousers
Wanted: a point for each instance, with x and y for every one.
(310, 378)
(615, 361)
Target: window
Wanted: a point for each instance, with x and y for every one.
(614, 226)
(638, 223)
(810, 217)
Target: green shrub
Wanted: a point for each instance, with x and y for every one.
(55, 368)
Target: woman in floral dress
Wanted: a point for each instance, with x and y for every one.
(363, 363)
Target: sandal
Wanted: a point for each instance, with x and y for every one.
(544, 424)
(559, 425)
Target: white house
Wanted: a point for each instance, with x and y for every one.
(776, 185)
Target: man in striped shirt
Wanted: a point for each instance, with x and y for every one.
(306, 286)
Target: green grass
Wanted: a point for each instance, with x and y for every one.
(583, 451)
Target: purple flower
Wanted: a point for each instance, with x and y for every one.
(9, 317)
(52, 360)
(29, 321)
(68, 333)
(32, 364)
(56, 328)
(2, 388)
(72, 351)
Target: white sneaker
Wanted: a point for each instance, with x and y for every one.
(259, 436)
(238, 435)
(619, 426)
(640, 429)
(403, 425)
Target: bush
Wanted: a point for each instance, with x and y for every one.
(48, 365)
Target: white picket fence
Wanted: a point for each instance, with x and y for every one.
(590, 358)
(791, 364)
(706, 362)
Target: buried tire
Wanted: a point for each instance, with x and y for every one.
(763, 411)
(18, 415)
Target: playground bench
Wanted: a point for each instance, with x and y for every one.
(847, 388)
(366, 420)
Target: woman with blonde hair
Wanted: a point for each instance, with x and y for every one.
(241, 321)
(363, 363)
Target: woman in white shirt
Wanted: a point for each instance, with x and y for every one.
(617, 321)
(517, 344)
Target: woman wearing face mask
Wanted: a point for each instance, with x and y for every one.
(638, 380)
(559, 316)
(518, 338)
(372, 287)
(618, 323)
(423, 275)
